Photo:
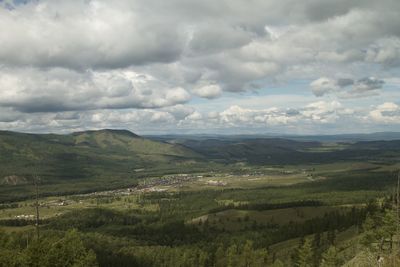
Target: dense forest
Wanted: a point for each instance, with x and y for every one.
(108, 238)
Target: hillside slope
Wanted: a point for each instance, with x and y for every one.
(285, 151)
(85, 159)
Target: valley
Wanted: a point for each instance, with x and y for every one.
(197, 198)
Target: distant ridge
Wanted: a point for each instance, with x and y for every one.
(352, 137)
(111, 131)
(378, 136)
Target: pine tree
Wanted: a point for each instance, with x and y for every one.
(231, 255)
(220, 260)
(368, 227)
(305, 254)
(316, 247)
(389, 226)
(317, 240)
(247, 255)
(202, 258)
(331, 236)
(330, 258)
(260, 258)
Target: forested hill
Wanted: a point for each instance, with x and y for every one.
(285, 151)
(106, 158)
(121, 153)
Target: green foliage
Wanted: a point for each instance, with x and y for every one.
(243, 256)
(305, 254)
(330, 258)
(50, 251)
(68, 251)
(220, 259)
(93, 218)
(277, 263)
(379, 230)
(11, 258)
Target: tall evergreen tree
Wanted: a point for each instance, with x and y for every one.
(247, 255)
(331, 236)
(305, 254)
(330, 258)
(220, 259)
(232, 258)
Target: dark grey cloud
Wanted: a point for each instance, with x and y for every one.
(343, 82)
(346, 87)
(30, 90)
(8, 115)
(292, 112)
(211, 38)
(370, 83)
(67, 116)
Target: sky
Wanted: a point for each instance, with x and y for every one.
(196, 67)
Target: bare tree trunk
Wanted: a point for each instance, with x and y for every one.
(397, 206)
(37, 206)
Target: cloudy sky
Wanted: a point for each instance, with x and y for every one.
(210, 66)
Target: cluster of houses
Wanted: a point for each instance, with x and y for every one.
(169, 180)
(55, 203)
(216, 183)
(25, 217)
